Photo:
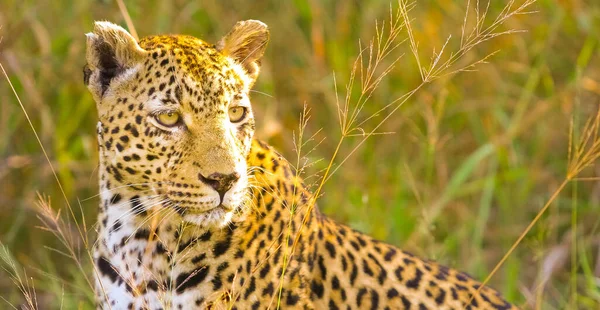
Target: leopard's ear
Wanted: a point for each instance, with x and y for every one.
(246, 44)
(110, 51)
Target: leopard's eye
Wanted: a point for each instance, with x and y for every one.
(237, 114)
(168, 119)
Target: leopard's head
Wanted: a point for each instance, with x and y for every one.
(174, 116)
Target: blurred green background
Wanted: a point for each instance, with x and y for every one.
(472, 158)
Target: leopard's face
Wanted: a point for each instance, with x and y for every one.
(175, 120)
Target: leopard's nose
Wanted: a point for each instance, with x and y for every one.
(220, 182)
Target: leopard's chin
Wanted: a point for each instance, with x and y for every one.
(218, 216)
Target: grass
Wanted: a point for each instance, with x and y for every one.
(463, 169)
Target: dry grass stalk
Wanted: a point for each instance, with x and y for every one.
(19, 279)
(52, 220)
(581, 154)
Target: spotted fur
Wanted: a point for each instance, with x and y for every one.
(199, 214)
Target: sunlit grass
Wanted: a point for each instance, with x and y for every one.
(457, 174)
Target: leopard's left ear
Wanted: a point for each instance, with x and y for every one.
(246, 44)
(111, 50)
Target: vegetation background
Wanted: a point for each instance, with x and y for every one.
(469, 162)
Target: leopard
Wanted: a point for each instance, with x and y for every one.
(197, 213)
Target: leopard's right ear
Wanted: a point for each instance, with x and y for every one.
(245, 44)
(110, 51)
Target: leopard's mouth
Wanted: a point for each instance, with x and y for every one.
(208, 212)
(192, 210)
(203, 215)
(218, 216)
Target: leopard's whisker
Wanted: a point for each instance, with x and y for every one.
(110, 190)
